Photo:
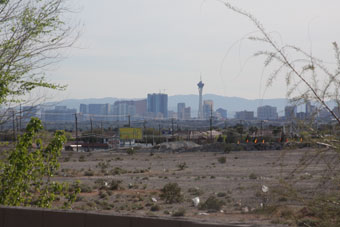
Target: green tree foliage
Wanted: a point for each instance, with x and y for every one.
(25, 176)
(31, 33)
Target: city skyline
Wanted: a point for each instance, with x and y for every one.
(143, 47)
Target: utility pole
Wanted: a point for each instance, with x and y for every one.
(91, 125)
(76, 121)
(172, 125)
(211, 116)
(146, 136)
(159, 132)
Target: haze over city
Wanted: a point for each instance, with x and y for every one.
(130, 48)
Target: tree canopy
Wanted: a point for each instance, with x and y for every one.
(31, 34)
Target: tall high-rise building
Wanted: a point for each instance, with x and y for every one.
(141, 107)
(180, 110)
(208, 108)
(291, 112)
(99, 109)
(245, 115)
(267, 113)
(222, 113)
(59, 114)
(123, 109)
(310, 109)
(158, 105)
(200, 101)
(187, 113)
(83, 109)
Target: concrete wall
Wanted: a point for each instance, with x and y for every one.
(29, 217)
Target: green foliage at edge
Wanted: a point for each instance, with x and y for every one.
(25, 177)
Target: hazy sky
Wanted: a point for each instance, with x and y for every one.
(133, 47)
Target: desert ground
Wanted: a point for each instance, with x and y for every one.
(241, 181)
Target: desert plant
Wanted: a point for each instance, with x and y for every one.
(221, 194)
(222, 160)
(212, 204)
(130, 151)
(82, 158)
(171, 193)
(182, 165)
(117, 171)
(85, 188)
(252, 176)
(115, 185)
(155, 207)
(89, 172)
(179, 213)
(195, 191)
(309, 79)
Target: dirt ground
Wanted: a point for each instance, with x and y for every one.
(236, 178)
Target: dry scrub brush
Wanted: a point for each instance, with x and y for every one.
(308, 78)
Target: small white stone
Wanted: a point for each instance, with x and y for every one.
(196, 201)
(245, 209)
(265, 188)
(154, 200)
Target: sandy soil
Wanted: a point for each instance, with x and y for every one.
(238, 182)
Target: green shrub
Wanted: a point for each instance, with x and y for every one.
(222, 160)
(155, 207)
(182, 165)
(85, 188)
(253, 176)
(117, 171)
(221, 194)
(130, 151)
(179, 213)
(195, 191)
(115, 185)
(26, 174)
(171, 193)
(212, 204)
(82, 158)
(89, 173)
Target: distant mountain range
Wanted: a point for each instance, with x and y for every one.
(231, 104)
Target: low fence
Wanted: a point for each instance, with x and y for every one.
(31, 217)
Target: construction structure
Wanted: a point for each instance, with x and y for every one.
(200, 102)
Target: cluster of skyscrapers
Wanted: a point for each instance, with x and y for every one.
(290, 113)
(155, 106)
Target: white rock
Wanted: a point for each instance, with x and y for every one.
(245, 209)
(203, 213)
(154, 200)
(265, 188)
(196, 201)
